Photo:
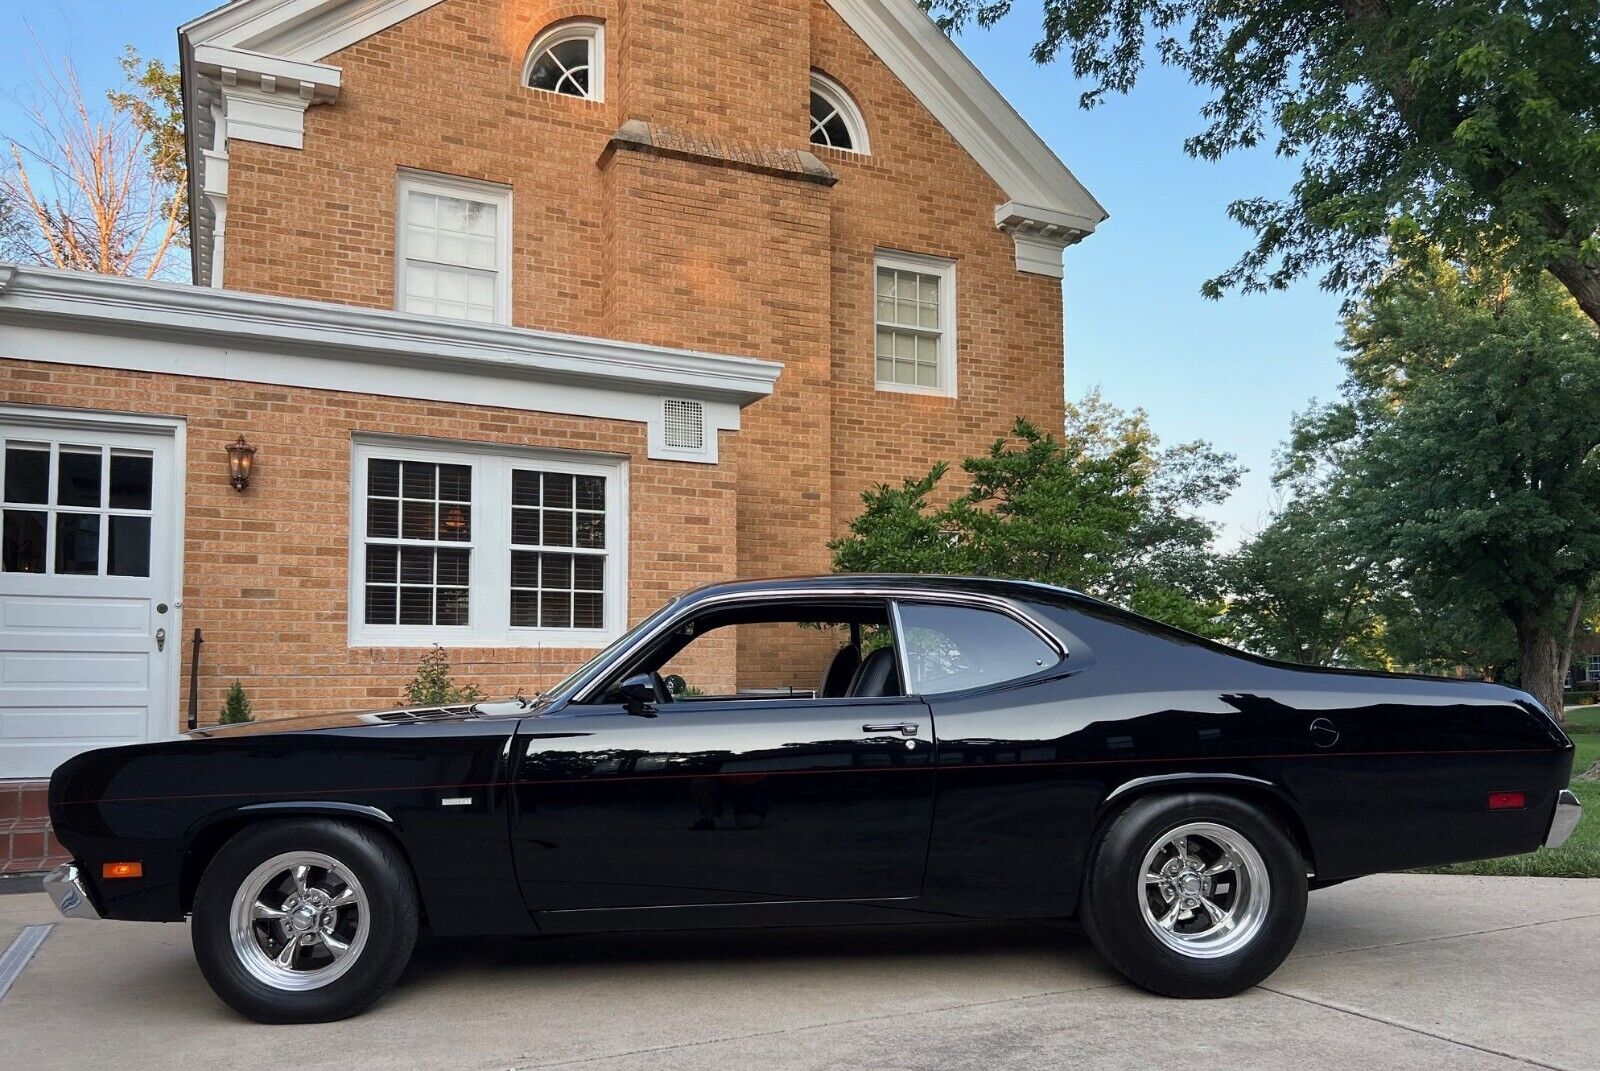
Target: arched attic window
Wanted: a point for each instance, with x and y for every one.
(835, 120)
(569, 58)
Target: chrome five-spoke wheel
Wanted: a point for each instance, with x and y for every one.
(1204, 890)
(299, 921)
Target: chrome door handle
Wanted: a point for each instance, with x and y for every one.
(161, 639)
(904, 728)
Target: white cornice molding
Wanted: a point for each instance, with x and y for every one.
(1040, 235)
(956, 93)
(299, 29)
(189, 330)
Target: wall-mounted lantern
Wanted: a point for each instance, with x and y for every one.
(241, 459)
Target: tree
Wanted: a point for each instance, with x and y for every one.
(97, 188)
(1463, 452)
(1104, 509)
(1301, 590)
(235, 706)
(1453, 119)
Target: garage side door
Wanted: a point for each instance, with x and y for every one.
(88, 631)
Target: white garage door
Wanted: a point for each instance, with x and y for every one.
(88, 622)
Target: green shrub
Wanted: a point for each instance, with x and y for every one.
(433, 685)
(235, 708)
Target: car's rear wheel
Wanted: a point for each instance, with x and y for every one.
(1194, 895)
(304, 921)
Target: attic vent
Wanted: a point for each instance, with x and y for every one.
(685, 425)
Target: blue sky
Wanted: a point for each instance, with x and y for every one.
(1231, 371)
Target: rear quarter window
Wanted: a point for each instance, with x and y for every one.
(953, 648)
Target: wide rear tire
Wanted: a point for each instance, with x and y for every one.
(1194, 895)
(304, 921)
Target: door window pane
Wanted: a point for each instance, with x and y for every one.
(949, 648)
(27, 474)
(78, 477)
(78, 543)
(128, 553)
(23, 543)
(130, 481)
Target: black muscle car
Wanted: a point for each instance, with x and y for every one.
(843, 749)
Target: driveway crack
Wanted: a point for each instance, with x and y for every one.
(1400, 1024)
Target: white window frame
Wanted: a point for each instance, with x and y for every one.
(925, 265)
(409, 182)
(1591, 668)
(842, 102)
(591, 30)
(489, 582)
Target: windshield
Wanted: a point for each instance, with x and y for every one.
(579, 676)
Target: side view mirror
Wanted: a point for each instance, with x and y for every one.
(638, 695)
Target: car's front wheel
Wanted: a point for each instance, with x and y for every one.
(1194, 895)
(304, 921)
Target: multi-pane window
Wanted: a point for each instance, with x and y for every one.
(419, 536)
(835, 120)
(568, 59)
(915, 324)
(1592, 668)
(459, 546)
(453, 249)
(558, 550)
(75, 510)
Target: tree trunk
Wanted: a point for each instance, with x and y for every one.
(1583, 282)
(1539, 651)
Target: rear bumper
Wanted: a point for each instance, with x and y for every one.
(66, 889)
(1565, 820)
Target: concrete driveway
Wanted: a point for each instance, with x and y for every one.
(1391, 972)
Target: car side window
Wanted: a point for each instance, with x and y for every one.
(950, 648)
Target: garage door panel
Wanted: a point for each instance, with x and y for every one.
(50, 724)
(59, 615)
(23, 669)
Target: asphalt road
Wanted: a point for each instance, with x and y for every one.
(1392, 972)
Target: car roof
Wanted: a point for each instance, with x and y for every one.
(893, 583)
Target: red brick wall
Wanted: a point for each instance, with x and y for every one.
(684, 252)
(266, 572)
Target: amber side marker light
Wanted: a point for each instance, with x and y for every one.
(1507, 801)
(122, 870)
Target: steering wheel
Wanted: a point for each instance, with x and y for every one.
(663, 693)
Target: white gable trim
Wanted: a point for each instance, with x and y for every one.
(1055, 208)
(299, 29)
(99, 321)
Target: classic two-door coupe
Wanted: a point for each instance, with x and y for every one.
(959, 749)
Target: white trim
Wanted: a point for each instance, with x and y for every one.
(299, 29)
(924, 265)
(410, 181)
(841, 100)
(489, 598)
(78, 318)
(177, 429)
(945, 81)
(591, 30)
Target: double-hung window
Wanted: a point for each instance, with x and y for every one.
(454, 248)
(915, 303)
(463, 545)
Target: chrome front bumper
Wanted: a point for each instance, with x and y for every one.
(1565, 820)
(66, 889)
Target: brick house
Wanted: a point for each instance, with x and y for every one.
(535, 313)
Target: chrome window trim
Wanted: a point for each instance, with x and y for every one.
(893, 595)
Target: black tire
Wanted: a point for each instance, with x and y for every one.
(390, 898)
(1114, 920)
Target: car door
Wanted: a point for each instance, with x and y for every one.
(755, 800)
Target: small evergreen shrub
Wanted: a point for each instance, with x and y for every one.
(236, 707)
(433, 686)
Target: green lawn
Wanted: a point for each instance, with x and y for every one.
(1582, 720)
(1579, 857)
